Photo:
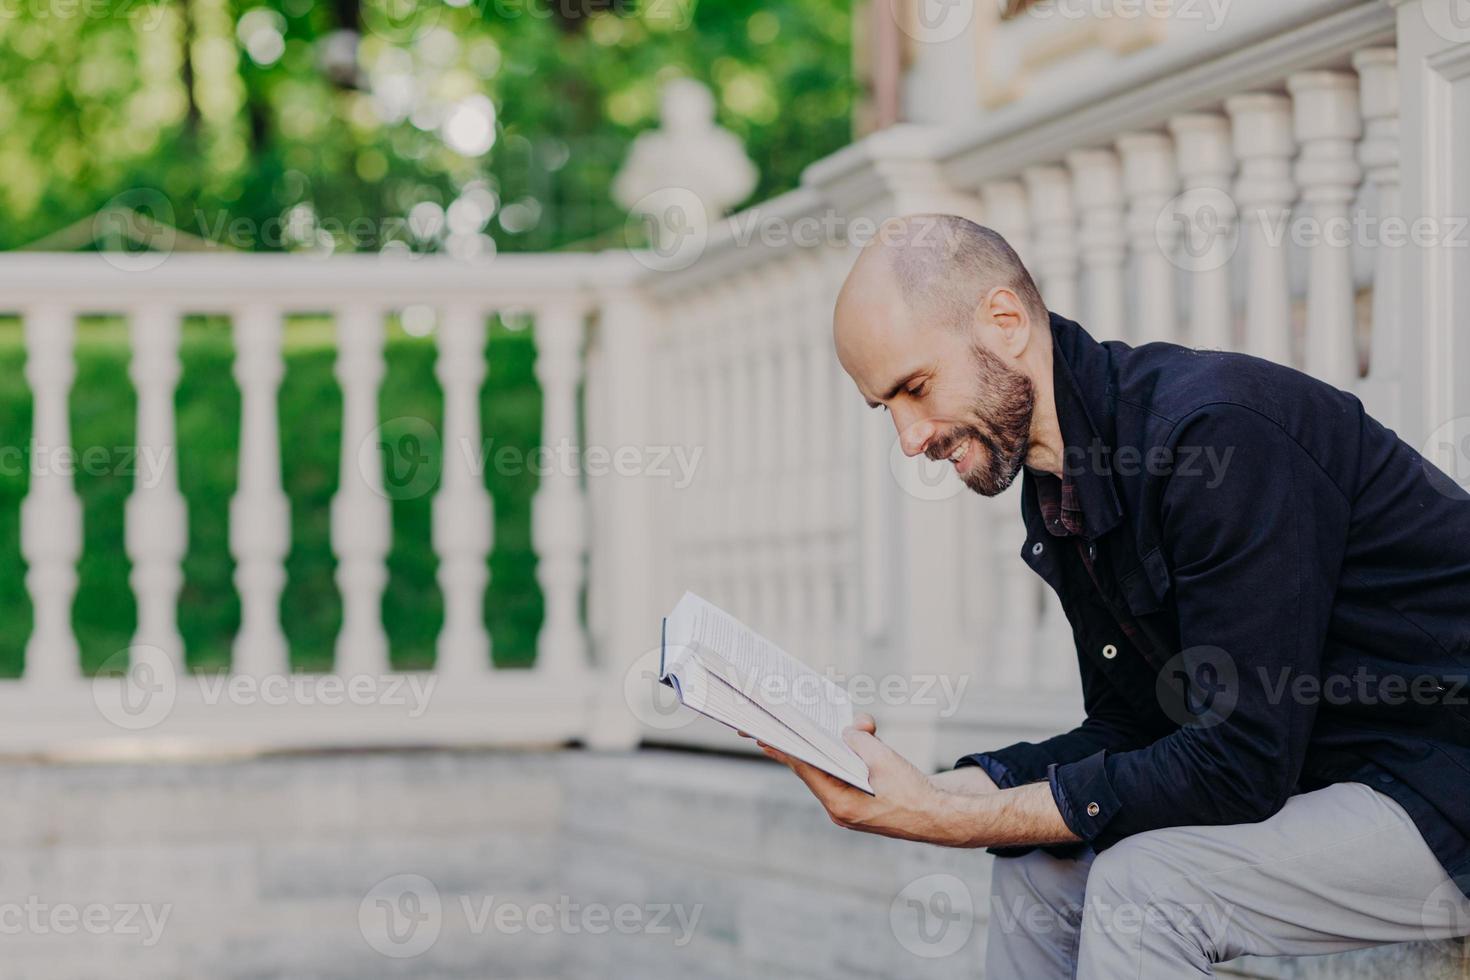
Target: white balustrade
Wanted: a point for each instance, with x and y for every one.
(1202, 145)
(1005, 209)
(260, 515)
(1097, 186)
(51, 514)
(1054, 237)
(361, 515)
(558, 511)
(1379, 154)
(1328, 125)
(156, 520)
(1261, 124)
(1150, 181)
(462, 510)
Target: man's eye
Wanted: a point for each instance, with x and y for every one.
(918, 390)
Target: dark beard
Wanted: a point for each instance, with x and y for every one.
(1003, 427)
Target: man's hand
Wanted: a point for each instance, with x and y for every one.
(908, 804)
(962, 808)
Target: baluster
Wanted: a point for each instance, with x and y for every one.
(1097, 185)
(1261, 125)
(793, 432)
(557, 513)
(51, 514)
(463, 518)
(361, 517)
(1004, 206)
(818, 460)
(1150, 182)
(1379, 155)
(1207, 223)
(260, 515)
(156, 520)
(720, 502)
(759, 498)
(1055, 237)
(1328, 126)
(1014, 627)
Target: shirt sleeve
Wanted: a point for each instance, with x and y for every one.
(1111, 723)
(1254, 547)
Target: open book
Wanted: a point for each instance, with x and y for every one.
(727, 671)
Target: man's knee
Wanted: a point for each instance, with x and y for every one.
(1037, 882)
(1142, 887)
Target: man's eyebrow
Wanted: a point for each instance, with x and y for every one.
(895, 389)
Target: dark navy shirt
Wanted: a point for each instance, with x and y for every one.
(1269, 593)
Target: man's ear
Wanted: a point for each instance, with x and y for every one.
(1002, 309)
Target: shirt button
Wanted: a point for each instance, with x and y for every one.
(1093, 809)
(1037, 548)
(1092, 551)
(1109, 652)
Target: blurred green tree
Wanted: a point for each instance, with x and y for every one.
(467, 125)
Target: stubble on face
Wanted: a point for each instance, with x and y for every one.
(1000, 425)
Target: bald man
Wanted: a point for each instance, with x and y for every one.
(1270, 598)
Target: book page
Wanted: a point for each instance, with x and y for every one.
(811, 705)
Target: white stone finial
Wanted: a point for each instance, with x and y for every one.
(687, 161)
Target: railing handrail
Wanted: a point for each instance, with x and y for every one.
(205, 282)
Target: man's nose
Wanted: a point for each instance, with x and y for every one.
(914, 433)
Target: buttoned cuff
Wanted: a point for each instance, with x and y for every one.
(1014, 765)
(1085, 797)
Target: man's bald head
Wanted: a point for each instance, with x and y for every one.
(941, 266)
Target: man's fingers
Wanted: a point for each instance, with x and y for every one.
(866, 745)
(864, 722)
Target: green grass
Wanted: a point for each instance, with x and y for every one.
(207, 414)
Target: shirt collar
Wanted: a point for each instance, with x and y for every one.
(1082, 382)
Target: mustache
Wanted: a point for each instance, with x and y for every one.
(940, 449)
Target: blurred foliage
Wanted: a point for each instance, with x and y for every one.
(208, 419)
(355, 125)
